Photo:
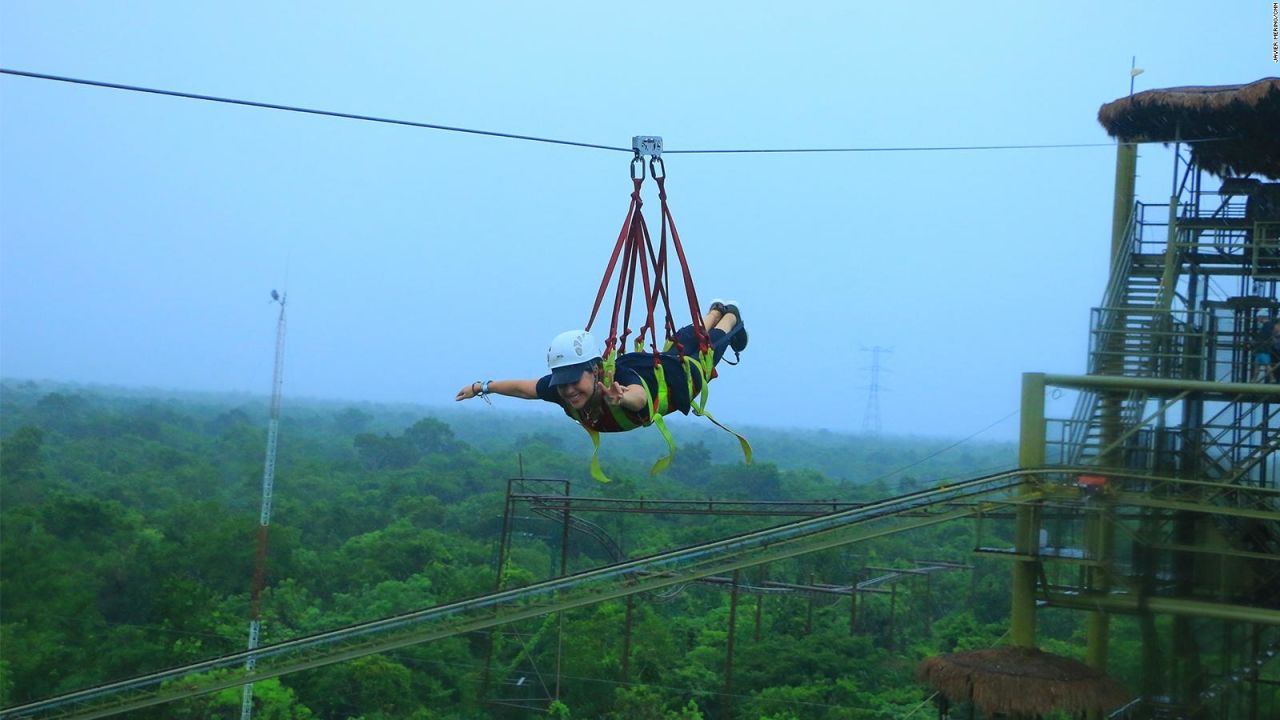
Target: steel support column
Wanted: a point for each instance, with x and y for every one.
(727, 711)
(1030, 455)
(1126, 173)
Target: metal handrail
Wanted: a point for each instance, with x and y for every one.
(1167, 347)
(1122, 268)
(1256, 452)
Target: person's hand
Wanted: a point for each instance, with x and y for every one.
(613, 393)
(468, 392)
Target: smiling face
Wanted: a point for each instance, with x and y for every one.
(577, 394)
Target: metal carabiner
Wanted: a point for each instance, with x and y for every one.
(655, 164)
(637, 161)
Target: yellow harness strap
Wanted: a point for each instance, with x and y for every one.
(746, 446)
(703, 366)
(656, 409)
(610, 365)
(658, 406)
(596, 472)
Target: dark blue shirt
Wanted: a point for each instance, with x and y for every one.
(630, 370)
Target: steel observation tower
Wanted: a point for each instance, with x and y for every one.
(1159, 466)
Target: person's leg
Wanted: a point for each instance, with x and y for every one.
(717, 318)
(687, 339)
(723, 328)
(716, 313)
(731, 324)
(712, 318)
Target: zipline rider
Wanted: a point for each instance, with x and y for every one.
(605, 390)
(637, 395)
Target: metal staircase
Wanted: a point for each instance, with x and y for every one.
(1121, 341)
(1153, 323)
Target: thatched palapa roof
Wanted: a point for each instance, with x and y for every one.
(1242, 120)
(1020, 682)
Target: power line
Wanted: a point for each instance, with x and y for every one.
(533, 138)
(948, 448)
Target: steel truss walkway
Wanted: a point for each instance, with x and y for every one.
(893, 515)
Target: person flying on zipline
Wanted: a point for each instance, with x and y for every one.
(605, 389)
(636, 396)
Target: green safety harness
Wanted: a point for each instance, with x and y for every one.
(635, 248)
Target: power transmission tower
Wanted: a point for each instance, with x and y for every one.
(264, 518)
(871, 415)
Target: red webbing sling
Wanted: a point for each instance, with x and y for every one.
(635, 248)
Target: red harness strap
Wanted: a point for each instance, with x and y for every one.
(623, 240)
(704, 342)
(635, 249)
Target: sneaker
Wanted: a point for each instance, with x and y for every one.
(738, 339)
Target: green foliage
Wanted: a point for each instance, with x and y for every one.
(426, 437)
(272, 700)
(21, 467)
(128, 528)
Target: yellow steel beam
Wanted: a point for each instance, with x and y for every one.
(1166, 606)
(1143, 500)
(1252, 391)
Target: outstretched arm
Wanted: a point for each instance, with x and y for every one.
(523, 389)
(631, 397)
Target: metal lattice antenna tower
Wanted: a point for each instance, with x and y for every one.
(871, 415)
(264, 518)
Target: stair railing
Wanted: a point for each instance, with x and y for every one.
(1121, 268)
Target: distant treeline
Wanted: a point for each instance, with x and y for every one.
(127, 524)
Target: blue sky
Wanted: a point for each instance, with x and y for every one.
(140, 236)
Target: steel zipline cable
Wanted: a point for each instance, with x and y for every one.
(293, 108)
(533, 138)
(922, 148)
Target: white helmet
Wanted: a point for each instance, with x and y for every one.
(569, 354)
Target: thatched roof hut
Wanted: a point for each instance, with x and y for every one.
(1242, 122)
(1020, 682)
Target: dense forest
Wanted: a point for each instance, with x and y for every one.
(127, 535)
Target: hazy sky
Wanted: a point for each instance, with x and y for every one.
(140, 235)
